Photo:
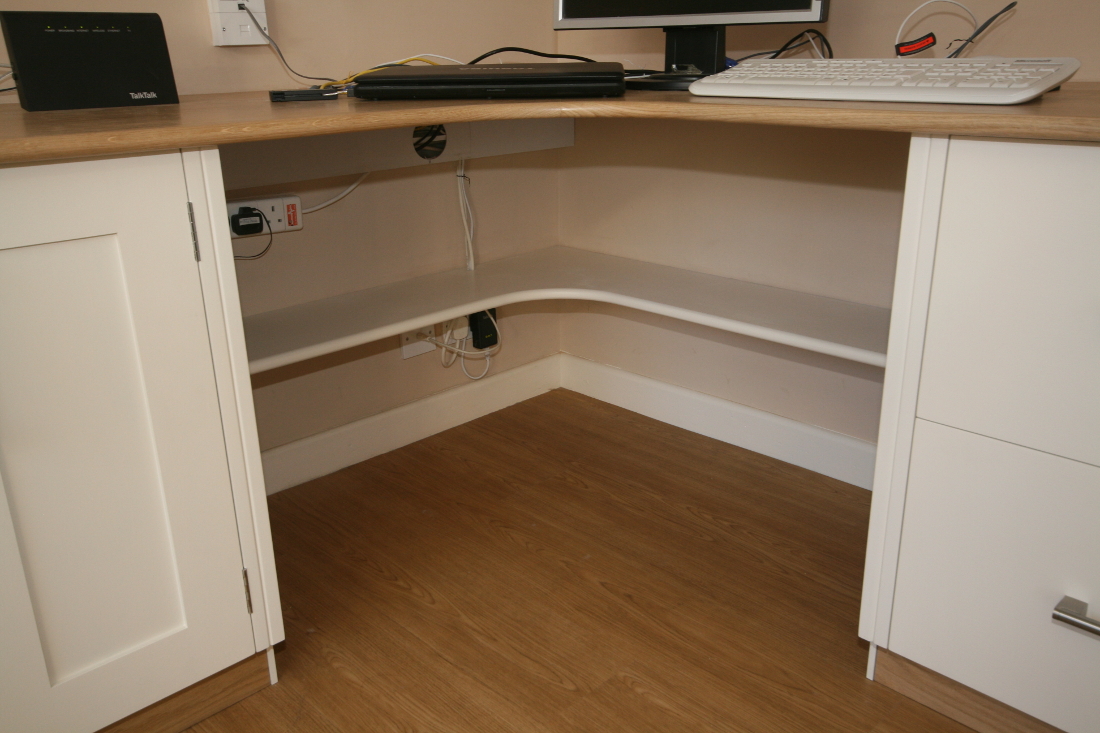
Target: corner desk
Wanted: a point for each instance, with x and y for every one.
(121, 336)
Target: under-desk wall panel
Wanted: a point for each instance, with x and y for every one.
(317, 395)
(836, 394)
(397, 225)
(816, 211)
(811, 210)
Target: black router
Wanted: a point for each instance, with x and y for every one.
(83, 60)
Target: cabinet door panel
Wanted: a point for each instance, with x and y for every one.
(1013, 345)
(994, 536)
(119, 556)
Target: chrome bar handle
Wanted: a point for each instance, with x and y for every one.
(1075, 613)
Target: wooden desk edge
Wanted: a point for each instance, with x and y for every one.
(1072, 114)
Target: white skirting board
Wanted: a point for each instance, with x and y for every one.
(319, 455)
(832, 454)
(835, 455)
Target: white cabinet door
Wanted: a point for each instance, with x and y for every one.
(120, 567)
(1013, 345)
(995, 535)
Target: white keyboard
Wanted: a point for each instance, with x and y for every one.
(958, 81)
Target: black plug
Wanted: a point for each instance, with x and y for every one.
(483, 330)
(247, 221)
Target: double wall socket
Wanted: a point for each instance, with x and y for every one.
(283, 213)
(232, 26)
(413, 345)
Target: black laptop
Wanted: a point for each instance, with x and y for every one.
(493, 81)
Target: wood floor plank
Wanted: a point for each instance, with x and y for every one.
(564, 566)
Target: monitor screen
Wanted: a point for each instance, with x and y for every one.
(663, 13)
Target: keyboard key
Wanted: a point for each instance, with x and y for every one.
(786, 81)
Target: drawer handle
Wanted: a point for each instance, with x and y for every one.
(1075, 613)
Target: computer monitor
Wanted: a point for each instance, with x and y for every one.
(695, 30)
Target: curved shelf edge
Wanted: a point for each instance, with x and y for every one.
(809, 343)
(801, 320)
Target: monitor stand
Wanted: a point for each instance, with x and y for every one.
(691, 52)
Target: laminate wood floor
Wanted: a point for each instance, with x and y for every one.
(563, 566)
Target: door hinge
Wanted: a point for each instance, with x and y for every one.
(194, 233)
(247, 590)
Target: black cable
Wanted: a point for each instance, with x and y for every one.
(770, 53)
(791, 45)
(809, 31)
(427, 140)
(270, 240)
(966, 42)
(8, 89)
(484, 56)
(259, 27)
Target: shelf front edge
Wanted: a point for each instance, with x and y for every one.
(800, 341)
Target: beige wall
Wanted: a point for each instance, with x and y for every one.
(396, 225)
(867, 28)
(812, 210)
(328, 37)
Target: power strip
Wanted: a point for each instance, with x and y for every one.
(283, 214)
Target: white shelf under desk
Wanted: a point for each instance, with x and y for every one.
(825, 325)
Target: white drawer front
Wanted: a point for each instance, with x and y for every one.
(994, 536)
(1013, 341)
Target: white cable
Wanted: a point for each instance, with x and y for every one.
(457, 347)
(813, 45)
(444, 351)
(460, 350)
(421, 55)
(5, 76)
(468, 223)
(489, 355)
(488, 363)
(909, 17)
(337, 197)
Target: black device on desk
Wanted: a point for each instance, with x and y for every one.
(493, 81)
(82, 60)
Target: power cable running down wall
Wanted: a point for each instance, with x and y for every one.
(451, 343)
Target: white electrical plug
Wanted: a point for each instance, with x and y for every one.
(459, 327)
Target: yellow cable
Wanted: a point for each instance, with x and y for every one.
(353, 77)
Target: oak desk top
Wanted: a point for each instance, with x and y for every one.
(1072, 113)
